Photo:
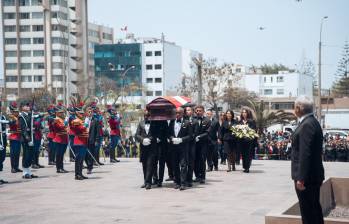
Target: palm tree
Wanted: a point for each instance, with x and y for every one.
(266, 118)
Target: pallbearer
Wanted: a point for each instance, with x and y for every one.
(80, 140)
(15, 137)
(27, 139)
(60, 140)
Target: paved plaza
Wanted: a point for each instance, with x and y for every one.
(113, 195)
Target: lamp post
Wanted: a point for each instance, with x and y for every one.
(319, 75)
(123, 83)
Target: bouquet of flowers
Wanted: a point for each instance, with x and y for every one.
(244, 132)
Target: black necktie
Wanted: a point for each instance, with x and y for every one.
(147, 122)
(179, 121)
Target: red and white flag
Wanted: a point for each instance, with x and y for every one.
(124, 29)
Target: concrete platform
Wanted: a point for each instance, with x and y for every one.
(113, 195)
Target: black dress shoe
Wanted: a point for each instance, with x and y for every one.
(147, 186)
(159, 184)
(3, 182)
(51, 163)
(117, 160)
(19, 170)
(246, 171)
(189, 185)
(216, 169)
(177, 186)
(79, 178)
(33, 176)
(202, 181)
(64, 171)
(143, 186)
(89, 171)
(27, 176)
(100, 163)
(182, 188)
(169, 179)
(13, 171)
(197, 180)
(84, 177)
(35, 166)
(112, 161)
(40, 166)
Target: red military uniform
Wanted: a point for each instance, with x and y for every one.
(114, 124)
(15, 129)
(81, 132)
(61, 134)
(51, 133)
(37, 129)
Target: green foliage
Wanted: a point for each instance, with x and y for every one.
(274, 69)
(341, 85)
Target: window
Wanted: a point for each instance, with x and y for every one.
(10, 41)
(268, 92)
(107, 36)
(135, 53)
(279, 79)
(37, 28)
(38, 78)
(271, 79)
(57, 65)
(157, 53)
(59, 2)
(37, 15)
(36, 2)
(24, 28)
(149, 53)
(24, 15)
(149, 93)
(158, 93)
(238, 70)
(59, 40)
(11, 66)
(149, 67)
(10, 53)
(61, 53)
(24, 2)
(38, 53)
(149, 80)
(9, 2)
(26, 66)
(265, 79)
(58, 27)
(58, 78)
(11, 79)
(59, 15)
(158, 80)
(26, 78)
(26, 53)
(10, 28)
(10, 15)
(24, 41)
(280, 92)
(158, 67)
(39, 66)
(38, 40)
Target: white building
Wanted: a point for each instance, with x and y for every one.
(45, 45)
(281, 85)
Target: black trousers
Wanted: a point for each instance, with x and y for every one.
(309, 204)
(164, 158)
(148, 159)
(200, 160)
(245, 147)
(191, 160)
(28, 154)
(179, 154)
(88, 158)
(60, 150)
(212, 155)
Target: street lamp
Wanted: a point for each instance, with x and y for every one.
(123, 83)
(319, 75)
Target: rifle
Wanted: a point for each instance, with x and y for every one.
(31, 143)
(2, 140)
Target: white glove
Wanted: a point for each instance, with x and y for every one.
(177, 141)
(30, 144)
(158, 140)
(146, 142)
(168, 140)
(197, 138)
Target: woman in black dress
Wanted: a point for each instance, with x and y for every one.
(228, 139)
(246, 145)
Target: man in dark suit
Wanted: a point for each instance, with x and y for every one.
(201, 140)
(180, 134)
(212, 150)
(306, 166)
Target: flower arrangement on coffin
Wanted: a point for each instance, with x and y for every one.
(244, 132)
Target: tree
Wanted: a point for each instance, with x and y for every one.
(274, 69)
(341, 85)
(237, 97)
(42, 99)
(265, 118)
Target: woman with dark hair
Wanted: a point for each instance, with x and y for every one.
(228, 139)
(246, 145)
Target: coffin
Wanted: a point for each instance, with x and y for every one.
(164, 108)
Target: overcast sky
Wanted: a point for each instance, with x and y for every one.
(228, 29)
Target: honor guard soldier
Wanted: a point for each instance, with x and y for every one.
(71, 117)
(201, 140)
(15, 137)
(80, 129)
(51, 135)
(114, 125)
(180, 134)
(27, 139)
(60, 140)
(38, 127)
(3, 143)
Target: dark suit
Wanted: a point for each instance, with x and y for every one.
(148, 154)
(229, 142)
(306, 165)
(212, 151)
(192, 148)
(179, 152)
(201, 147)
